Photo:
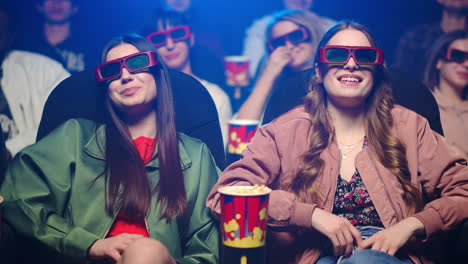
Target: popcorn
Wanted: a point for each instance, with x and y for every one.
(256, 189)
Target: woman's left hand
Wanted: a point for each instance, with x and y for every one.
(390, 240)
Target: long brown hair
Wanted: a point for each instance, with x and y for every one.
(126, 177)
(437, 52)
(379, 130)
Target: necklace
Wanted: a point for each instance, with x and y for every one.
(345, 155)
(350, 147)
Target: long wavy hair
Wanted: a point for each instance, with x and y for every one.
(383, 142)
(127, 183)
(437, 52)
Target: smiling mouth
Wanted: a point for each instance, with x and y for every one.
(350, 79)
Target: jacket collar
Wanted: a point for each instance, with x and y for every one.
(96, 145)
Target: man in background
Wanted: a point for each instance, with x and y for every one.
(57, 37)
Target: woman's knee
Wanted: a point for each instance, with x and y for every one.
(146, 250)
(147, 244)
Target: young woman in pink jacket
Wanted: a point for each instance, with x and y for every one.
(355, 178)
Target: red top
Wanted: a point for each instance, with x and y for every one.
(123, 224)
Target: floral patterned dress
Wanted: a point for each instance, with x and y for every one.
(352, 201)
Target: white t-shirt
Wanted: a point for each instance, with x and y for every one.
(223, 106)
(28, 79)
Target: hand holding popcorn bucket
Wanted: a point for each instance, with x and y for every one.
(243, 222)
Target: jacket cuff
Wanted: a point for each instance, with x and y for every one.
(431, 221)
(301, 214)
(77, 242)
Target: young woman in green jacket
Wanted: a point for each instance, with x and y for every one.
(131, 190)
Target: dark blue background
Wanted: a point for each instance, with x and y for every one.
(227, 20)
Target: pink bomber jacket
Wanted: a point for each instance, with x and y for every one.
(275, 154)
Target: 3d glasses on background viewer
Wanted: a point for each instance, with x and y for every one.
(133, 63)
(177, 34)
(341, 54)
(455, 55)
(295, 37)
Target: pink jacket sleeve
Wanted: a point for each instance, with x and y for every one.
(261, 165)
(444, 178)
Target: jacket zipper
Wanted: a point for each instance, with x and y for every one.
(113, 220)
(335, 181)
(384, 186)
(112, 223)
(146, 226)
(326, 198)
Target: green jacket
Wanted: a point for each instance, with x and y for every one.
(48, 195)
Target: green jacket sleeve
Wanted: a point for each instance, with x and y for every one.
(36, 191)
(200, 239)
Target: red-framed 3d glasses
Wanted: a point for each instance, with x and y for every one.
(133, 63)
(341, 54)
(456, 55)
(177, 34)
(295, 37)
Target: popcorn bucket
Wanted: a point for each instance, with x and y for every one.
(241, 132)
(237, 70)
(244, 216)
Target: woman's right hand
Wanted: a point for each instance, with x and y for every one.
(112, 247)
(277, 60)
(339, 230)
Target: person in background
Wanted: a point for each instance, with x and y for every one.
(355, 178)
(446, 75)
(256, 36)
(409, 54)
(57, 36)
(131, 190)
(26, 79)
(208, 49)
(169, 31)
(291, 39)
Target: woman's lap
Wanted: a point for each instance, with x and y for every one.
(363, 256)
